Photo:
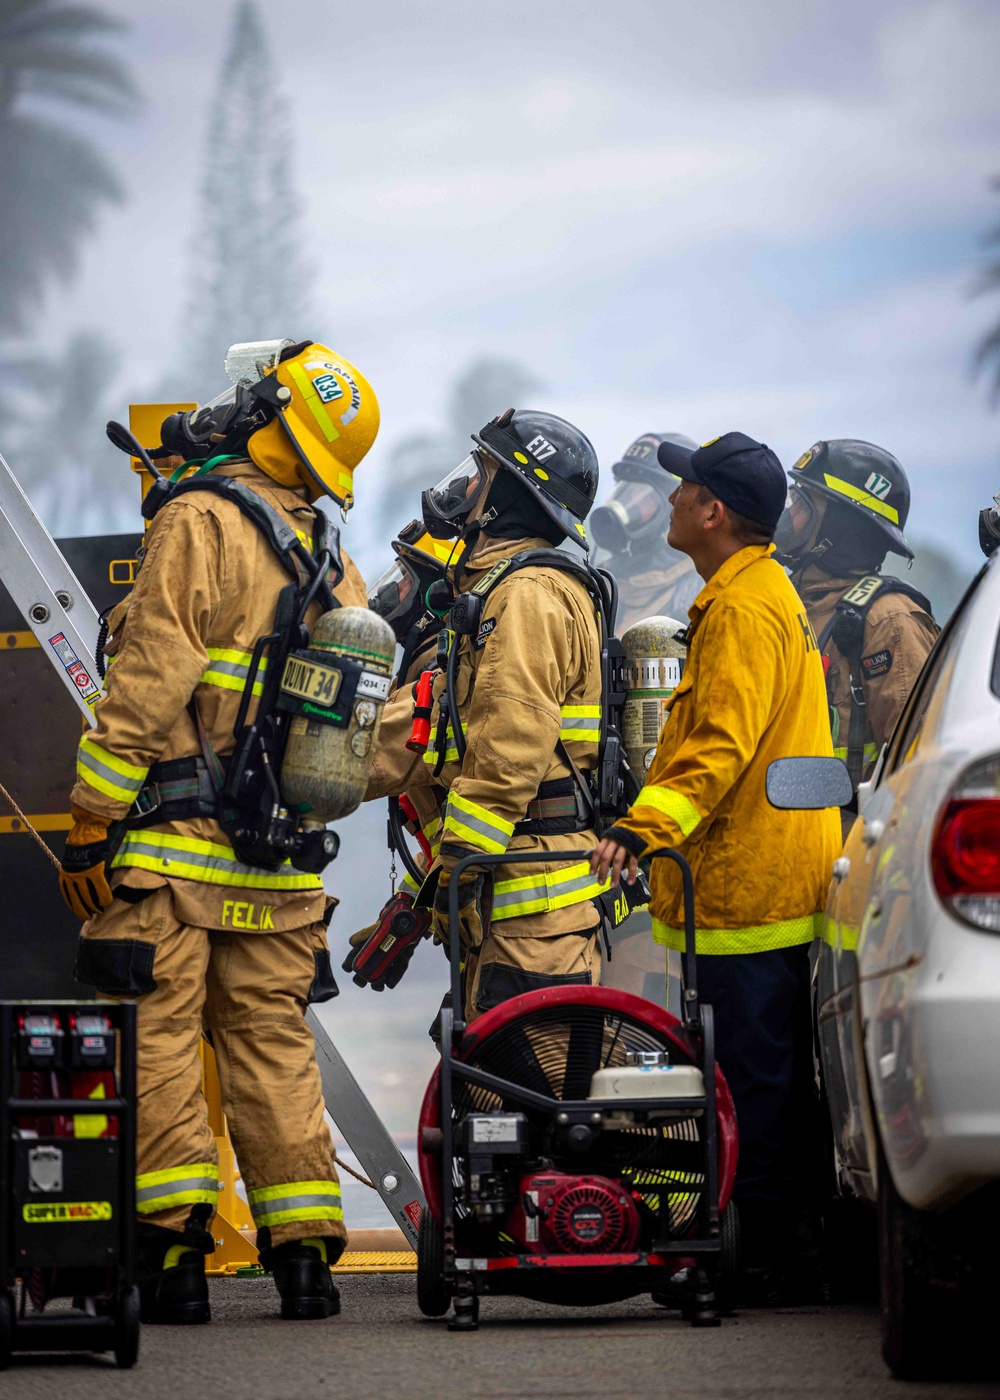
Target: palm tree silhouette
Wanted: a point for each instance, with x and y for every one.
(988, 350)
(53, 178)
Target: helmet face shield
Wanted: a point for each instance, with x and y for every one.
(448, 505)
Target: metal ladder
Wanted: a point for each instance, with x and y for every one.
(66, 626)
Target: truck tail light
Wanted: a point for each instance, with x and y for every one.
(965, 853)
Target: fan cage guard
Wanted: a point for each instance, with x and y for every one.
(552, 1041)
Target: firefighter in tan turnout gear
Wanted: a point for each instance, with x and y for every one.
(847, 507)
(630, 532)
(176, 920)
(508, 764)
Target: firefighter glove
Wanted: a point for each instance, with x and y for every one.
(474, 903)
(83, 881)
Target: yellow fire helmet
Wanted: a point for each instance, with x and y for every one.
(400, 595)
(301, 413)
(329, 414)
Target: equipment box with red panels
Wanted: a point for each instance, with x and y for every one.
(67, 1179)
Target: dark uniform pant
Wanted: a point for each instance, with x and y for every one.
(763, 1045)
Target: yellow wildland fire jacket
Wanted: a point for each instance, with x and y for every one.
(752, 691)
(206, 590)
(529, 677)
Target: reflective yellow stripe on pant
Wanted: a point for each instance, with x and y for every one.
(177, 1186)
(553, 889)
(295, 1200)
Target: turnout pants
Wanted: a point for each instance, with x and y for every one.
(508, 963)
(249, 991)
(764, 1047)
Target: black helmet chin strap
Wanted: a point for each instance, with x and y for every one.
(798, 560)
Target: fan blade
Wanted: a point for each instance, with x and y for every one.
(583, 1052)
(510, 1054)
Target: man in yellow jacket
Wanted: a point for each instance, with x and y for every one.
(752, 691)
(176, 920)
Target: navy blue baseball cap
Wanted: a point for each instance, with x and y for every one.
(744, 474)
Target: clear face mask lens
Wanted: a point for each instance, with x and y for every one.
(214, 416)
(455, 495)
(392, 593)
(797, 522)
(634, 511)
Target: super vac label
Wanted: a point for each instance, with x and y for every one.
(66, 1212)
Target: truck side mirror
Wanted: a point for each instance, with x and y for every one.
(808, 784)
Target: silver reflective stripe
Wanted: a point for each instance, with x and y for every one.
(194, 859)
(86, 759)
(262, 1209)
(458, 816)
(164, 1189)
(554, 891)
(228, 668)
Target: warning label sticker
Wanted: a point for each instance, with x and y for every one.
(66, 1212)
(75, 668)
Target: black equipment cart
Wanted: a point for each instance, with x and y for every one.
(67, 1179)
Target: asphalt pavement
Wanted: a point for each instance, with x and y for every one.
(381, 1347)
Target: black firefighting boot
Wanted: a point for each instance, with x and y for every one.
(301, 1271)
(764, 1231)
(172, 1283)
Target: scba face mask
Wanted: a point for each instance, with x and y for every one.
(799, 524)
(448, 506)
(636, 513)
(235, 411)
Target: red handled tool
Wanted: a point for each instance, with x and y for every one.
(420, 734)
(413, 825)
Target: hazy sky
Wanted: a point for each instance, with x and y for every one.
(766, 216)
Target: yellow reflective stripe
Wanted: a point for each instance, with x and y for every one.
(863, 498)
(408, 883)
(573, 724)
(537, 894)
(107, 773)
(843, 936)
(672, 804)
(477, 825)
(228, 669)
(195, 1184)
(312, 401)
(450, 753)
(870, 752)
(188, 858)
(758, 938)
(295, 1200)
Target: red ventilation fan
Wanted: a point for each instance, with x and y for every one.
(577, 1145)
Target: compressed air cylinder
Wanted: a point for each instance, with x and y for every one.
(654, 662)
(345, 673)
